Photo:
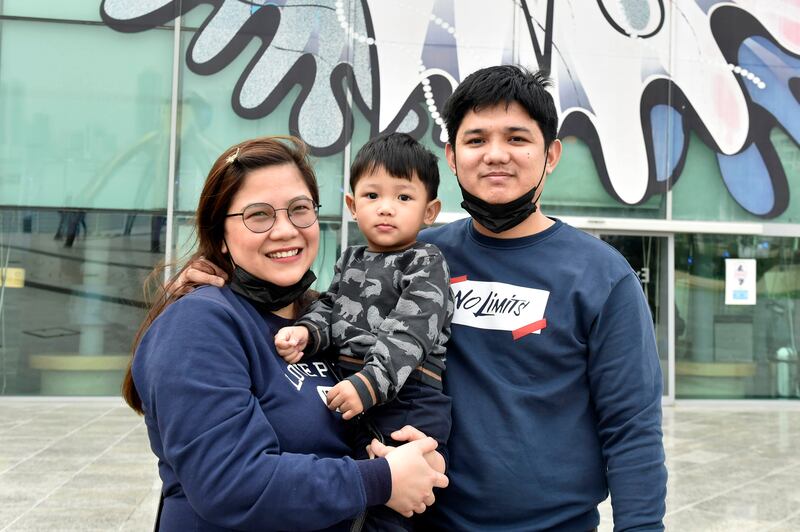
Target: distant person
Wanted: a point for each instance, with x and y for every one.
(69, 225)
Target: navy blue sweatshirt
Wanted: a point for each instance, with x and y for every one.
(556, 385)
(245, 441)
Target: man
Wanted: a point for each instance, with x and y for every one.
(552, 364)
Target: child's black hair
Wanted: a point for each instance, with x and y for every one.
(490, 86)
(401, 156)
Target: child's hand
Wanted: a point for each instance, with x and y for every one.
(290, 342)
(344, 397)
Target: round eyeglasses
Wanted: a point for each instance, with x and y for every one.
(260, 217)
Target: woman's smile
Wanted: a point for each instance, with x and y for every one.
(284, 254)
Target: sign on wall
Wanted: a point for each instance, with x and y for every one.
(740, 281)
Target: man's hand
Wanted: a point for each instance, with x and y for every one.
(290, 342)
(199, 271)
(407, 433)
(344, 397)
(413, 479)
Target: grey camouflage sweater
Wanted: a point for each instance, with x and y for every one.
(391, 310)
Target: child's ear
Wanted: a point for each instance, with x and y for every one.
(350, 201)
(432, 211)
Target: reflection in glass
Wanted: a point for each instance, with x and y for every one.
(83, 128)
(67, 327)
(737, 351)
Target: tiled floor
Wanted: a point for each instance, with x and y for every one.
(75, 465)
(86, 465)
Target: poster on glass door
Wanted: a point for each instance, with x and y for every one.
(740, 281)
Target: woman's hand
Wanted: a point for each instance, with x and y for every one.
(199, 271)
(413, 479)
(407, 433)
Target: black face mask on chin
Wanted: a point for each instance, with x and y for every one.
(267, 295)
(499, 217)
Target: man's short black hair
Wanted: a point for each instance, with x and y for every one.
(401, 156)
(505, 83)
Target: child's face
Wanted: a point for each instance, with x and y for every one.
(390, 210)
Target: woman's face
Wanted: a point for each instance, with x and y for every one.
(284, 253)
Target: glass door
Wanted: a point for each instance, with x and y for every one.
(649, 257)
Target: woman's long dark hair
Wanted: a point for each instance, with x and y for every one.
(223, 182)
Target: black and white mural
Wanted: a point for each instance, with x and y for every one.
(633, 77)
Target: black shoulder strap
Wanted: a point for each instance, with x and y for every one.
(158, 512)
(358, 523)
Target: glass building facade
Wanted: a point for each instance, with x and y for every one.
(680, 132)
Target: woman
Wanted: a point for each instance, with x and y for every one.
(244, 440)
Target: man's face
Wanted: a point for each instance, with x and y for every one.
(499, 153)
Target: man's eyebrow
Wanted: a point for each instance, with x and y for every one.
(509, 129)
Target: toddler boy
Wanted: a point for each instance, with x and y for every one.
(386, 316)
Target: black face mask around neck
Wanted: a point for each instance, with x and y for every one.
(499, 217)
(267, 295)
